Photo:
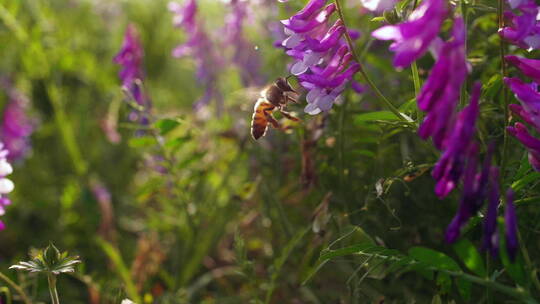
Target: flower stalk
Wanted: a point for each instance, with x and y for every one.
(51, 279)
(361, 70)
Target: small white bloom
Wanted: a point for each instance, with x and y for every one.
(6, 186)
(5, 168)
(378, 5)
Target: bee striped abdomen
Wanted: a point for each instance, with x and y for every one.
(259, 122)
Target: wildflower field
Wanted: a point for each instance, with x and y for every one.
(269, 151)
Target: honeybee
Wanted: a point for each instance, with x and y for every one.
(274, 97)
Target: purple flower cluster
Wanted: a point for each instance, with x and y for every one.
(200, 47)
(510, 221)
(524, 25)
(323, 61)
(130, 58)
(440, 92)
(413, 37)
(6, 185)
(529, 107)
(459, 143)
(244, 56)
(16, 126)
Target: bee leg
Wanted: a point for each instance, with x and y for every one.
(292, 99)
(272, 120)
(289, 115)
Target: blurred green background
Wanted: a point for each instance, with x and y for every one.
(232, 220)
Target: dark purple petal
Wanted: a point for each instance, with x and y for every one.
(449, 168)
(490, 240)
(511, 228)
(529, 67)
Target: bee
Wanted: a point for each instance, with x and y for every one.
(273, 98)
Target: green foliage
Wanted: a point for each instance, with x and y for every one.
(339, 209)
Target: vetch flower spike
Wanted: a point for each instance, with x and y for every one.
(6, 185)
(532, 143)
(413, 37)
(324, 64)
(511, 227)
(130, 58)
(440, 92)
(16, 126)
(490, 242)
(200, 46)
(449, 168)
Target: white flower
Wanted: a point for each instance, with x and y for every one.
(378, 5)
(6, 186)
(5, 168)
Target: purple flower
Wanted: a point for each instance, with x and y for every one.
(6, 185)
(529, 67)
(511, 228)
(532, 144)
(524, 28)
(441, 91)
(244, 56)
(130, 58)
(16, 127)
(529, 99)
(324, 64)
(467, 204)
(413, 37)
(200, 47)
(449, 168)
(490, 241)
(474, 192)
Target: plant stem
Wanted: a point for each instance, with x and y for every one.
(51, 278)
(375, 89)
(504, 73)
(17, 288)
(417, 85)
(513, 292)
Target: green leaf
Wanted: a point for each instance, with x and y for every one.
(375, 116)
(469, 255)
(492, 87)
(142, 142)
(527, 179)
(361, 247)
(434, 258)
(377, 19)
(166, 125)
(177, 142)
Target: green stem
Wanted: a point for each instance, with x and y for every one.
(417, 86)
(375, 89)
(504, 73)
(17, 288)
(528, 262)
(51, 278)
(513, 292)
(66, 130)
